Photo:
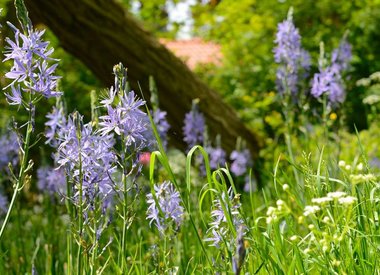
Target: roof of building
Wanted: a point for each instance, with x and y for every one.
(195, 51)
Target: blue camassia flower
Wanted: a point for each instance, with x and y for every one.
(31, 72)
(126, 120)
(51, 180)
(169, 202)
(241, 161)
(342, 56)
(162, 125)
(9, 147)
(217, 157)
(194, 127)
(3, 204)
(220, 230)
(55, 121)
(290, 56)
(329, 79)
(95, 151)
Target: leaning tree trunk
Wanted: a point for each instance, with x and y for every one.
(101, 33)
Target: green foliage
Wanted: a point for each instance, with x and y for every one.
(246, 30)
(22, 13)
(154, 15)
(291, 228)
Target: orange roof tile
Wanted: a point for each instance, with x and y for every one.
(195, 51)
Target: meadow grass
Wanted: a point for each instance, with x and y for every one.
(316, 211)
(328, 224)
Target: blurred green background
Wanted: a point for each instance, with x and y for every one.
(245, 30)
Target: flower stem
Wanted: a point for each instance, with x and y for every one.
(23, 169)
(80, 212)
(288, 137)
(125, 206)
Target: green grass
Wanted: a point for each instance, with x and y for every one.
(339, 235)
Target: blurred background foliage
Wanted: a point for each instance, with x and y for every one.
(245, 30)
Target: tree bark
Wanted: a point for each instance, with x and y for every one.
(101, 34)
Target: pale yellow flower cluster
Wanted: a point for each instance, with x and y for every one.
(339, 196)
(362, 178)
(311, 209)
(274, 213)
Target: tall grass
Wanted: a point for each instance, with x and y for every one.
(330, 224)
(317, 212)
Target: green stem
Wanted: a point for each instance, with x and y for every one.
(288, 142)
(19, 240)
(68, 253)
(324, 118)
(95, 229)
(125, 213)
(80, 212)
(21, 177)
(165, 254)
(70, 211)
(125, 208)
(163, 159)
(68, 202)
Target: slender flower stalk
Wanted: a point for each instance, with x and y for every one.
(125, 209)
(241, 252)
(24, 168)
(32, 78)
(290, 56)
(89, 162)
(126, 120)
(194, 126)
(226, 219)
(78, 131)
(292, 60)
(227, 226)
(166, 212)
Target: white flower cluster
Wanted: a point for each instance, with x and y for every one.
(322, 200)
(342, 164)
(311, 209)
(339, 196)
(336, 195)
(362, 178)
(347, 200)
(274, 213)
(357, 177)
